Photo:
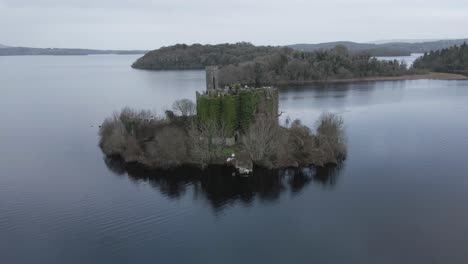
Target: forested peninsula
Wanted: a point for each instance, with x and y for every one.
(246, 64)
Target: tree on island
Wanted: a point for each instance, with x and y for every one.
(184, 107)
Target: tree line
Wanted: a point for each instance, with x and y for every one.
(286, 65)
(452, 60)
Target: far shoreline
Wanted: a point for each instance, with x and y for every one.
(428, 76)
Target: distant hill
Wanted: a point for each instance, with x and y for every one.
(384, 41)
(422, 47)
(330, 45)
(22, 51)
(384, 49)
(197, 56)
(373, 49)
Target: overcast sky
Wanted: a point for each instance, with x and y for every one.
(148, 24)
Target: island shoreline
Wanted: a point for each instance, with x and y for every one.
(428, 76)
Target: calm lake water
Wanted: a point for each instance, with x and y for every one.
(400, 197)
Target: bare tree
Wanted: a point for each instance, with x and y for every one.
(112, 136)
(184, 107)
(207, 141)
(262, 140)
(330, 138)
(169, 147)
(302, 148)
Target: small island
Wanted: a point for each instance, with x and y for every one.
(230, 125)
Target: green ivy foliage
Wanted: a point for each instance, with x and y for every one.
(248, 101)
(235, 111)
(229, 113)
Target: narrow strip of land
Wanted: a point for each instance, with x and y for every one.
(428, 76)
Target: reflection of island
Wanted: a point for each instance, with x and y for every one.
(217, 185)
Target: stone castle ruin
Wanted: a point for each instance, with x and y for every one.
(234, 106)
(212, 78)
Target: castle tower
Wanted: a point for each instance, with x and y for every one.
(211, 78)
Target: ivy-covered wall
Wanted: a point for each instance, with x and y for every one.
(229, 113)
(248, 101)
(208, 108)
(236, 111)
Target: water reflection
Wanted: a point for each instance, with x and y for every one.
(339, 96)
(327, 176)
(220, 188)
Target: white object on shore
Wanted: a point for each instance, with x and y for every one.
(244, 172)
